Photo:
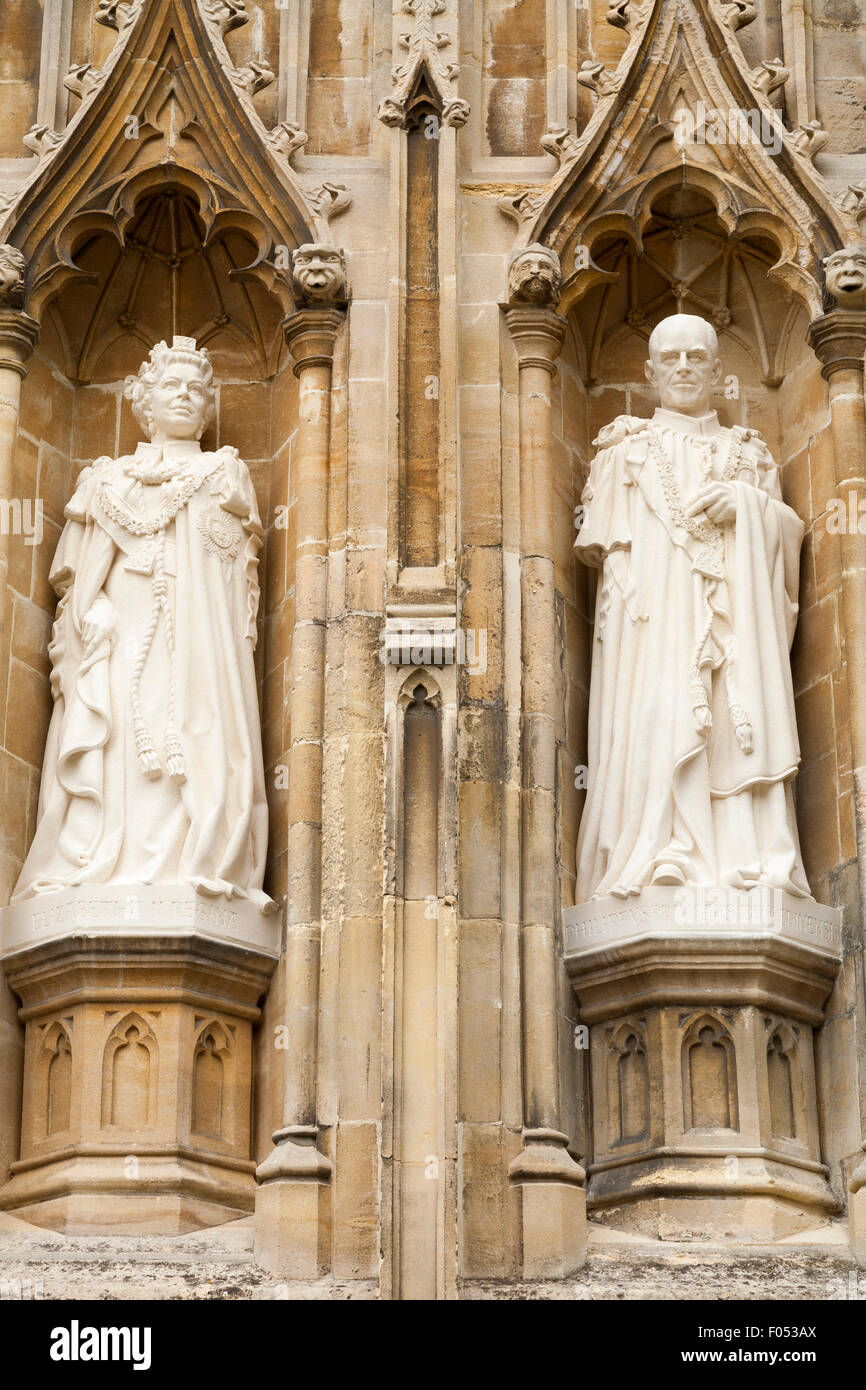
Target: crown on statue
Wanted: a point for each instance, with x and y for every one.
(187, 344)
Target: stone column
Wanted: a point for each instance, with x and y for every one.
(18, 337)
(551, 1182)
(839, 340)
(293, 1200)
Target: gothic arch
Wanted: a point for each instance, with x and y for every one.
(211, 1079)
(628, 1081)
(676, 58)
(54, 1080)
(129, 1074)
(709, 1068)
(155, 118)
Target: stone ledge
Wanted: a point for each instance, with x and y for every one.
(140, 910)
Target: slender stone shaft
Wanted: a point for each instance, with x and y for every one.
(292, 1204)
(551, 1182)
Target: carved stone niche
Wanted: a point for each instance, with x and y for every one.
(139, 1006)
(701, 1006)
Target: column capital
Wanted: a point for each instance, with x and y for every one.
(311, 334)
(19, 334)
(538, 334)
(838, 339)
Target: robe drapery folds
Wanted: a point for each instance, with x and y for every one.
(692, 731)
(153, 766)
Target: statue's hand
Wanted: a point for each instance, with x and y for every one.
(718, 500)
(97, 623)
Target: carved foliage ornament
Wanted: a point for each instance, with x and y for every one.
(117, 14)
(319, 274)
(13, 277)
(594, 76)
(534, 275)
(226, 15)
(740, 13)
(424, 44)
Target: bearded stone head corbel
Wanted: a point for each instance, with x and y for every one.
(13, 277)
(845, 273)
(319, 274)
(534, 275)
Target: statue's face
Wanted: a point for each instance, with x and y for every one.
(318, 272)
(179, 403)
(683, 367)
(534, 276)
(846, 273)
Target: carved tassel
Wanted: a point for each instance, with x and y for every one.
(174, 756)
(147, 756)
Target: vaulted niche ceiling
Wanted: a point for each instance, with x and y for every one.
(163, 281)
(691, 265)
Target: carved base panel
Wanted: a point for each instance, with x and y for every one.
(133, 1193)
(137, 1081)
(702, 1075)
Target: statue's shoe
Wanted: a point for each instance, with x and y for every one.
(666, 874)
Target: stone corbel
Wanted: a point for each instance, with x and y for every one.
(319, 276)
(845, 277)
(534, 276)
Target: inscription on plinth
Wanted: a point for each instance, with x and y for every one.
(673, 912)
(137, 910)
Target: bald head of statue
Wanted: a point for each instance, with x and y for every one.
(684, 363)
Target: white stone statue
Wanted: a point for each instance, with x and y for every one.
(153, 766)
(692, 733)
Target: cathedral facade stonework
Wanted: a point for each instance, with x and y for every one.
(433, 635)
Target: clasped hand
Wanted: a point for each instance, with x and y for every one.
(98, 623)
(718, 500)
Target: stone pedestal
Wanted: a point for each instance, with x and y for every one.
(701, 1006)
(139, 1008)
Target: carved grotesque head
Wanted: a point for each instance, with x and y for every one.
(173, 395)
(684, 363)
(845, 271)
(534, 276)
(319, 274)
(13, 274)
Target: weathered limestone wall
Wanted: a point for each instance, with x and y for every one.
(518, 61)
(488, 1061)
(20, 39)
(824, 788)
(41, 469)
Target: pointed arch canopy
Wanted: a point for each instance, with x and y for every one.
(684, 59)
(162, 118)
